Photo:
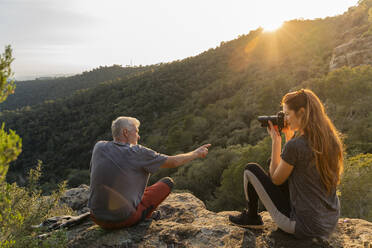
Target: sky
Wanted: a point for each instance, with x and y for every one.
(59, 37)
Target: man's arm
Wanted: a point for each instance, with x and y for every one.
(180, 159)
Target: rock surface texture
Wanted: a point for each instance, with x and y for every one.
(356, 52)
(185, 222)
(77, 198)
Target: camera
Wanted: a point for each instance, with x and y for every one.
(277, 120)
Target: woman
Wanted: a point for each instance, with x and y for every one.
(311, 162)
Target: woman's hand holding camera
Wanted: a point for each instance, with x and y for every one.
(273, 132)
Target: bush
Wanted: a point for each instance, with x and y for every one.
(230, 194)
(201, 177)
(21, 208)
(356, 188)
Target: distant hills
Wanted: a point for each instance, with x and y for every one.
(213, 97)
(42, 89)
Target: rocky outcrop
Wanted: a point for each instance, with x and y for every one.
(77, 198)
(185, 222)
(356, 52)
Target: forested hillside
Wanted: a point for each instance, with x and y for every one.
(37, 91)
(214, 98)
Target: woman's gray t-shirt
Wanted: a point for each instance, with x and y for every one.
(119, 173)
(316, 213)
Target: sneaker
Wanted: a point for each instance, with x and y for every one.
(244, 220)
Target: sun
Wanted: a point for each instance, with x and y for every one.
(271, 26)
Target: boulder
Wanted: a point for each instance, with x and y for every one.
(76, 198)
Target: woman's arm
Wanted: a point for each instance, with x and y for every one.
(281, 173)
(275, 154)
(279, 169)
(276, 145)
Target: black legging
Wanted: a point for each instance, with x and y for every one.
(257, 184)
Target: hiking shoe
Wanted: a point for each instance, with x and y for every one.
(245, 220)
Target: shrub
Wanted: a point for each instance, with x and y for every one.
(356, 188)
(23, 207)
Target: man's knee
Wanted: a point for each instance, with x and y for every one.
(168, 181)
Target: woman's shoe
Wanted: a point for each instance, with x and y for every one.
(245, 220)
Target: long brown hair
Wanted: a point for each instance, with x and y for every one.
(323, 137)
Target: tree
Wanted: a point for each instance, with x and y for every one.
(10, 143)
(6, 86)
(22, 207)
(10, 147)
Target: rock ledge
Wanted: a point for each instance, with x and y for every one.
(185, 222)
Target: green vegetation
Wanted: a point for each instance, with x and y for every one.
(214, 98)
(356, 187)
(347, 93)
(38, 91)
(20, 208)
(10, 147)
(24, 207)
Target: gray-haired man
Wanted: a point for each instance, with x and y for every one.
(119, 173)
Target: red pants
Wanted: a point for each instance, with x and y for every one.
(151, 199)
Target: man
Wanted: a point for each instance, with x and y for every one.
(119, 173)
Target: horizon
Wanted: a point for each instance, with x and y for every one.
(63, 39)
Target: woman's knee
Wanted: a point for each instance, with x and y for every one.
(251, 166)
(168, 181)
(254, 168)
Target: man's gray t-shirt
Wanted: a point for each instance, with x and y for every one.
(316, 213)
(119, 173)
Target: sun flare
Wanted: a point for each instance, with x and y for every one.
(271, 27)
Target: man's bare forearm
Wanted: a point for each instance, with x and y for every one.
(178, 160)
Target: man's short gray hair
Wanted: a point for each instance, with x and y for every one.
(123, 122)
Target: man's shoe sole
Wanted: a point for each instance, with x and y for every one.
(249, 226)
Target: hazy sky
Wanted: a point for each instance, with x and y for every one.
(71, 36)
